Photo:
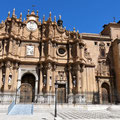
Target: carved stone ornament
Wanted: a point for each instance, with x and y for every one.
(54, 67)
(8, 64)
(60, 29)
(49, 66)
(1, 46)
(1, 26)
(29, 50)
(16, 66)
(50, 31)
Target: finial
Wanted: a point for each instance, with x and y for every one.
(24, 19)
(74, 29)
(37, 12)
(21, 15)
(2, 22)
(50, 14)
(43, 18)
(28, 11)
(54, 18)
(13, 12)
(59, 17)
(9, 14)
(40, 21)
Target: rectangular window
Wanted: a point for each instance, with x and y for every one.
(95, 43)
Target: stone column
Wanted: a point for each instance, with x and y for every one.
(70, 98)
(78, 50)
(10, 45)
(78, 96)
(1, 83)
(70, 47)
(41, 80)
(70, 81)
(15, 78)
(53, 79)
(42, 53)
(40, 97)
(8, 65)
(5, 47)
(54, 50)
(49, 68)
(78, 81)
(49, 48)
(36, 90)
(48, 81)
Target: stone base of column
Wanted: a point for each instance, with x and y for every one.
(80, 99)
(7, 97)
(70, 98)
(47, 98)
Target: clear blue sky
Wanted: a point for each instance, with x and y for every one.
(85, 15)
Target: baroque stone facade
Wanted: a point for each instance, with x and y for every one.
(35, 55)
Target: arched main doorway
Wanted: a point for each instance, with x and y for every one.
(27, 89)
(105, 93)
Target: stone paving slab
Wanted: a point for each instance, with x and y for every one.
(47, 113)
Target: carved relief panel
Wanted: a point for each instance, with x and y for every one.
(29, 50)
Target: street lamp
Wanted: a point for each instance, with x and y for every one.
(56, 86)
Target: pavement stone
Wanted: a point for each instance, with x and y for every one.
(47, 113)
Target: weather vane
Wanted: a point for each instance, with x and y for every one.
(33, 6)
(113, 19)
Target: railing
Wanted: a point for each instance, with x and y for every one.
(32, 109)
(11, 106)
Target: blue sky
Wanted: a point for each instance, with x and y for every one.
(87, 16)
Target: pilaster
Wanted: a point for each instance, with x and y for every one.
(49, 48)
(15, 77)
(41, 80)
(70, 81)
(78, 80)
(10, 45)
(53, 79)
(8, 65)
(48, 77)
(1, 83)
(42, 50)
(78, 50)
(70, 48)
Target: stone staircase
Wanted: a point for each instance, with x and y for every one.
(21, 109)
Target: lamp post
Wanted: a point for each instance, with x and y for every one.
(56, 86)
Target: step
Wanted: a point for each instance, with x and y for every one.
(22, 109)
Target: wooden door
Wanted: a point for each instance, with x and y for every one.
(104, 96)
(61, 94)
(26, 93)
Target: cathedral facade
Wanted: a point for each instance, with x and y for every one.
(35, 55)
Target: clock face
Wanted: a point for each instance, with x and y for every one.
(30, 50)
(31, 25)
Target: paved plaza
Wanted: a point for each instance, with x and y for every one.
(86, 112)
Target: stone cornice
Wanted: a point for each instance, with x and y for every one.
(96, 37)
